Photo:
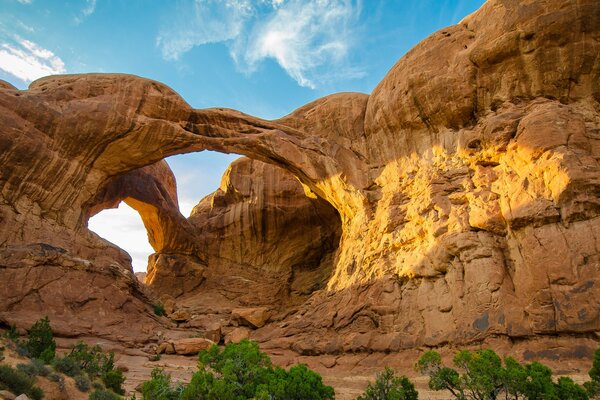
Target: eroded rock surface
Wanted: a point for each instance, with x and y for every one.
(467, 186)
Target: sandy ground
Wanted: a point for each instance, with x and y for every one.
(348, 374)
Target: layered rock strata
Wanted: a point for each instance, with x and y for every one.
(467, 184)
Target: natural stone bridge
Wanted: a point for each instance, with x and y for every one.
(467, 184)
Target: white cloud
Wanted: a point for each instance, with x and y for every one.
(273, 3)
(88, 10)
(203, 22)
(24, 1)
(303, 37)
(28, 61)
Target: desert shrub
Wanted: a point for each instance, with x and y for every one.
(67, 366)
(160, 387)
(568, 390)
(159, 309)
(36, 393)
(90, 359)
(21, 349)
(40, 343)
(19, 382)
(113, 379)
(299, 383)
(538, 383)
(239, 371)
(12, 333)
(390, 387)
(35, 367)
(95, 363)
(98, 385)
(241, 364)
(82, 382)
(592, 387)
(482, 376)
(103, 394)
(242, 371)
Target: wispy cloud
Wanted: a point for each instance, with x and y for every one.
(24, 1)
(25, 27)
(28, 61)
(305, 38)
(203, 22)
(90, 7)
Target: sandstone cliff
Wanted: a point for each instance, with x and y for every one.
(467, 187)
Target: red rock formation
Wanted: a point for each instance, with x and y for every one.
(152, 192)
(467, 183)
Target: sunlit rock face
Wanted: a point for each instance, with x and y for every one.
(467, 184)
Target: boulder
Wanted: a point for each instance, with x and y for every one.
(237, 335)
(191, 346)
(254, 317)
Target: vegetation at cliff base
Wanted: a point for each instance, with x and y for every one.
(40, 343)
(239, 371)
(89, 366)
(86, 362)
(159, 309)
(19, 382)
(388, 386)
(482, 375)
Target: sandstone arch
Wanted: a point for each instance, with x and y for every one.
(477, 152)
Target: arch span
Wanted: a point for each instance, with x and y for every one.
(92, 130)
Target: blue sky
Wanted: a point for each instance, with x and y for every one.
(262, 57)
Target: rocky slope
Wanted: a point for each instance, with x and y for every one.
(467, 187)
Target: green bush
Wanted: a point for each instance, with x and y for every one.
(159, 387)
(35, 367)
(299, 383)
(113, 379)
(159, 309)
(19, 382)
(390, 387)
(12, 333)
(240, 365)
(102, 394)
(569, 390)
(92, 361)
(40, 343)
(82, 382)
(242, 371)
(483, 377)
(593, 386)
(239, 371)
(67, 366)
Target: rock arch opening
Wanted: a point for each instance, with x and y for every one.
(137, 210)
(258, 237)
(124, 227)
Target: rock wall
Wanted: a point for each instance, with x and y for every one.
(259, 223)
(467, 184)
